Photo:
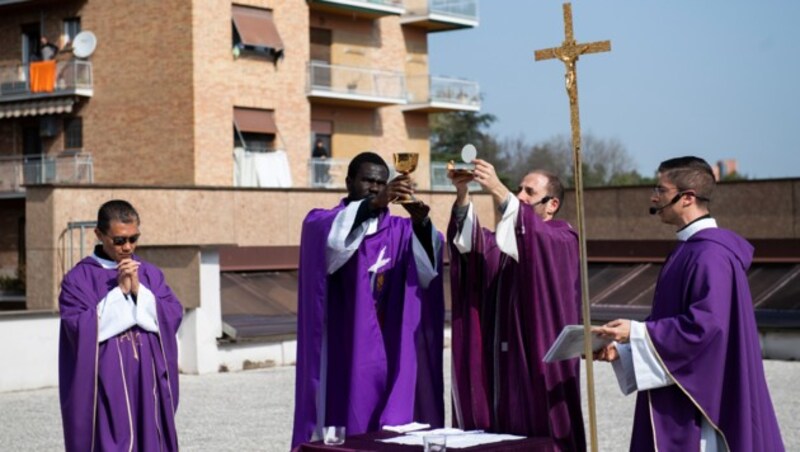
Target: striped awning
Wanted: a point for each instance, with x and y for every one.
(37, 107)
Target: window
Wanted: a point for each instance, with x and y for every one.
(255, 32)
(73, 133)
(323, 131)
(254, 129)
(72, 26)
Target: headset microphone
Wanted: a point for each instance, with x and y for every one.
(543, 200)
(655, 210)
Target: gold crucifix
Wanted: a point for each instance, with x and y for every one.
(569, 52)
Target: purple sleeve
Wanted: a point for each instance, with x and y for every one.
(429, 338)
(692, 345)
(312, 289)
(170, 314)
(471, 275)
(77, 359)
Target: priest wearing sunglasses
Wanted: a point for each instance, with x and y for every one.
(118, 360)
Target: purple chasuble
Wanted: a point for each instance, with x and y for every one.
(121, 394)
(703, 330)
(384, 333)
(506, 314)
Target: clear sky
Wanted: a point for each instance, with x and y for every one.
(714, 78)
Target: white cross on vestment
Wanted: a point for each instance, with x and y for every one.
(380, 263)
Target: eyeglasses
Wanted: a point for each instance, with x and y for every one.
(659, 190)
(120, 241)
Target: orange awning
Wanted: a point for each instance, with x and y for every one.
(256, 28)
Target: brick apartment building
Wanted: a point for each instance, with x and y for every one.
(192, 94)
(203, 114)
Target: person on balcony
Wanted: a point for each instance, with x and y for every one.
(47, 50)
(321, 166)
(513, 291)
(370, 320)
(118, 353)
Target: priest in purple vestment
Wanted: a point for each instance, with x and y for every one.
(118, 354)
(370, 311)
(513, 290)
(696, 360)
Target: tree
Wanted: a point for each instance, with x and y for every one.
(734, 176)
(605, 162)
(451, 131)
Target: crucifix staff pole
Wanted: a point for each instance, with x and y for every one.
(569, 52)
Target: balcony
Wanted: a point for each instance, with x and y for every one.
(441, 15)
(327, 173)
(72, 78)
(18, 171)
(439, 94)
(353, 86)
(371, 9)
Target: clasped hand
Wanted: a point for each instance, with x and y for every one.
(128, 276)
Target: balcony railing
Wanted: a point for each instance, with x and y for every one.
(457, 13)
(440, 181)
(331, 173)
(374, 7)
(356, 84)
(445, 93)
(71, 77)
(18, 171)
(327, 173)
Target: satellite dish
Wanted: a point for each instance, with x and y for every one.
(84, 44)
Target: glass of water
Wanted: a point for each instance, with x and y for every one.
(435, 443)
(333, 435)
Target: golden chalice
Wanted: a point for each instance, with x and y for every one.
(405, 163)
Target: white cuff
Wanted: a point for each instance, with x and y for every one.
(648, 370)
(506, 229)
(623, 368)
(146, 313)
(116, 313)
(341, 243)
(463, 240)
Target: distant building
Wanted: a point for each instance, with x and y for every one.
(725, 168)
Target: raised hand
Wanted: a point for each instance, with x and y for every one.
(398, 187)
(417, 210)
(486, 175)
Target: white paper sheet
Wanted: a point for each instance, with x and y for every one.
(456, 438)
(406, 427)
(569, 344)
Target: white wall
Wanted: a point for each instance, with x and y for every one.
(28, 351)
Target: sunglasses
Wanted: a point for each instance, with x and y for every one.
(119, 241)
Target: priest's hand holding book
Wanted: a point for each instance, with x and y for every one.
(618, 330)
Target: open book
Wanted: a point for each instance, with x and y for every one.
(569, 344)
